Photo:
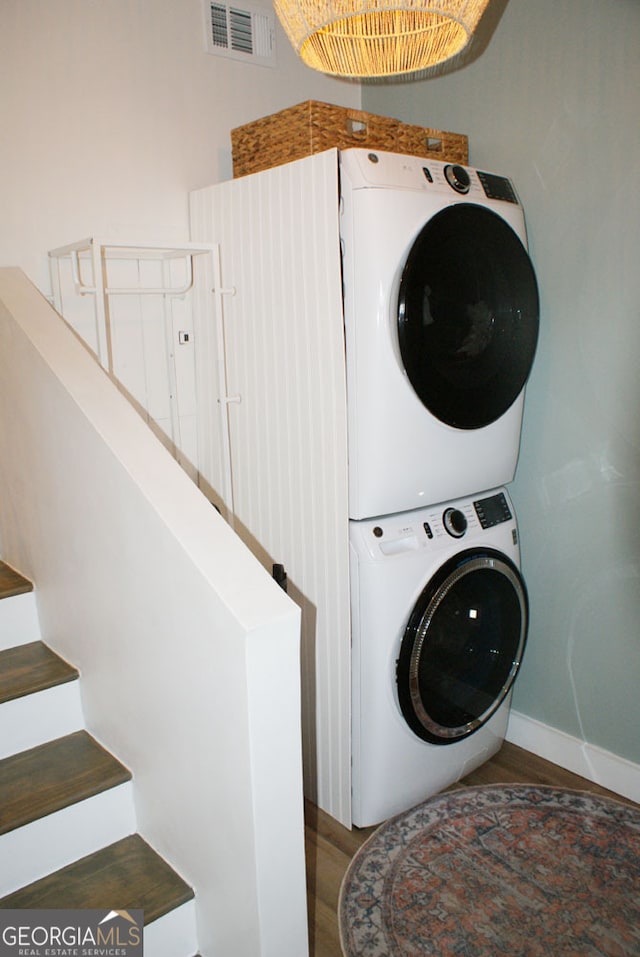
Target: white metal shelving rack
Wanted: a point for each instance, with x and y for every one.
(177, 282)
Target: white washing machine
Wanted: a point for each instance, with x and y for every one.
(441, 325)
(439, 624)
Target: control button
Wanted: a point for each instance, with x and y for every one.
(458, 178)
(378, 532)
(455, 522)
(427, 529)
(427, 174)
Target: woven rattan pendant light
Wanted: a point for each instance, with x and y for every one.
(360, 38)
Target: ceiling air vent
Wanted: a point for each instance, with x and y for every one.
(243, 32)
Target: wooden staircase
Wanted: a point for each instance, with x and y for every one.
(67, 819)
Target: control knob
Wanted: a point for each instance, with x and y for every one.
(458, 178)
(455, 522)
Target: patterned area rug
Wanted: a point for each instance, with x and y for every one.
(498, 871)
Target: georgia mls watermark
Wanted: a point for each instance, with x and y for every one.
(71, 933)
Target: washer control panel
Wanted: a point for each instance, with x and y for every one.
(434, 527)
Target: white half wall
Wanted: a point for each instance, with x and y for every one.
(188, 651)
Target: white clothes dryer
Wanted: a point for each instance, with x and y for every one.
(441, 325)
(439, 625)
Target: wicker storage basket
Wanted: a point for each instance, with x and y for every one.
(312, 127)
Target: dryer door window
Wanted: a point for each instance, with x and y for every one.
(468, 316)
(462, 646)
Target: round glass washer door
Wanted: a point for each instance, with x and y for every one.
(468, 315)
(462, 646)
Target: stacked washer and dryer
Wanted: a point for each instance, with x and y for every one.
(441, 324)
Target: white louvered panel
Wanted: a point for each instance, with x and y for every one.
(285, 356)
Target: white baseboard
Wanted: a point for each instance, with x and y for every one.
(588, 760)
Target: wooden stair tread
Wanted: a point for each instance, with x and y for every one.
(124, 876)
(12, 582)
(54, 775)
(26, 669)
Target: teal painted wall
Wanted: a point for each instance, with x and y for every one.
(551, 97)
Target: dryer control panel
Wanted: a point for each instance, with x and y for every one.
(379, 169)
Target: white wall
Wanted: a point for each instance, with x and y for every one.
(553, 100)
(188, 651)
(112, 111)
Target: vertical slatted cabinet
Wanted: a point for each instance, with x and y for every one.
(282, 382)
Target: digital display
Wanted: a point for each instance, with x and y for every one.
(493, 510)
(497, 187)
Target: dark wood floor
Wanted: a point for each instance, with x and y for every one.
(330, 846)
(12, 583)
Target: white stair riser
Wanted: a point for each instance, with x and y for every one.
(18, 621)
(58, 839)
(173, 935)
(36, 718)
